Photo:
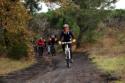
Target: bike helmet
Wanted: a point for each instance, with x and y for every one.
(66, 25)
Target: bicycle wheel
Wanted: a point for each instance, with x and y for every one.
(68, 63)
(52, 50)
(68, 59)
(40, 51)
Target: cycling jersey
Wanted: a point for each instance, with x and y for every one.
(40, 42)
(66, 36)
(52, 41)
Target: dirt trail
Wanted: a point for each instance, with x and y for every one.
(81, 71)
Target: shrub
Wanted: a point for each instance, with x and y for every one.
(18, 51)
(2, 50)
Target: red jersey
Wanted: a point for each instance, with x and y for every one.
(40, 42)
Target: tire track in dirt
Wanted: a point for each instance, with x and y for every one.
(82, 71)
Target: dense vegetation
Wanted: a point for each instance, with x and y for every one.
(19, 21)
(14, 18)
(93, 22)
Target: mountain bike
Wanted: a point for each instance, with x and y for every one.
(40, 50)
(67, 53)
(52, 50)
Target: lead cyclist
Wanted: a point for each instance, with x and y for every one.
(67, 36)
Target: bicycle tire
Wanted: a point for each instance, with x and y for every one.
(52, 50)
(67, 60)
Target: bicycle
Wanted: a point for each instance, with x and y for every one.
(67, 53)
(40, 50)
(52, 50)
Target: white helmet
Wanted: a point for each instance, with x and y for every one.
(66, 25)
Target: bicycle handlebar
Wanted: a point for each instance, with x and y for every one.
(66, 42)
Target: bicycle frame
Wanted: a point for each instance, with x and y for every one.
(67, 49)
(67, 53)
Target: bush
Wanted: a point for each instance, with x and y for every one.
(18, 51)
(91, 36)
(2, 50)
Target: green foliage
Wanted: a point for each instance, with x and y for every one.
(17, 46)
(117, 13)
(18, 51)
(61, 16)
(113, 65)
(83, 16)
(13, 28)
(2, 49)
(91, 36)
(32, 5)
(93, 4)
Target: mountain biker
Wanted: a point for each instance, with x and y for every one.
(66, 36)
(52, 41)
(40, 45)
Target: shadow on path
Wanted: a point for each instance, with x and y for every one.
(82, 71)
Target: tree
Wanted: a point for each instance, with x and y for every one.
(91, 12)
(14, 18)
(32, 5)
(94, 4)
(86, 13)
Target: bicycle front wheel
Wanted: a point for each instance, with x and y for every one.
(53, 50)
(68, 64)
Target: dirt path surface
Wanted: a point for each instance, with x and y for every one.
(81, 71)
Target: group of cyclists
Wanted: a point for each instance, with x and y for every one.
(66, 35)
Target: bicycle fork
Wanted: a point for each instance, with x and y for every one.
(67, 52)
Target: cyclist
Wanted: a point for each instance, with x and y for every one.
(51, 42)
(40, 46)
(67, 36)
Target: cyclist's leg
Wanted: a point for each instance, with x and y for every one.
(40, 51)
(64, 52)
(53, 49)
(49, 49)
(37, 50)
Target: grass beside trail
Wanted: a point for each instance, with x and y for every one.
(111, 64)
(8, 65)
